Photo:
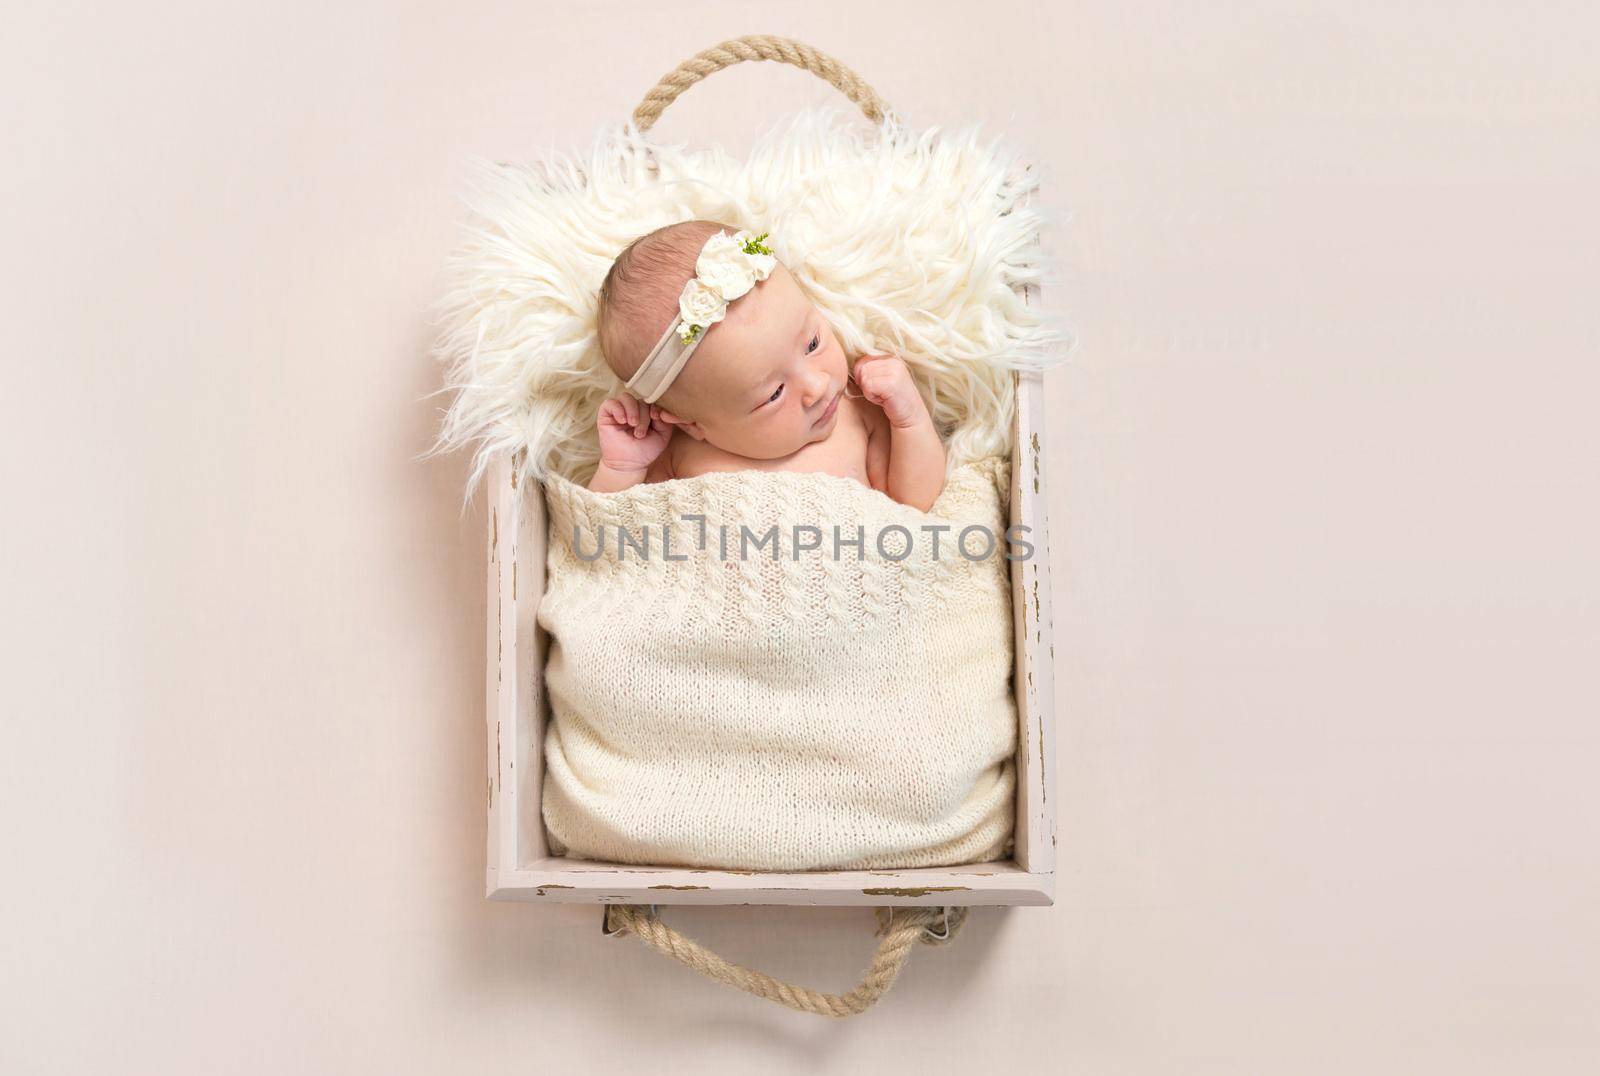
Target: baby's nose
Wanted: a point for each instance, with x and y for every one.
(816, 387)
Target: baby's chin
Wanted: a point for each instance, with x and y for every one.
(817, 433)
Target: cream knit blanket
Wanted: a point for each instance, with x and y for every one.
(793, 713)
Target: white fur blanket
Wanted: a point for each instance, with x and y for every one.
(908, 241)
(787, 712)
(797, 714)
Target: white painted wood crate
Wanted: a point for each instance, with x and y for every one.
(520, 864)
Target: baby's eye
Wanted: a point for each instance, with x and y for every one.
(775, 394)
(816, 342)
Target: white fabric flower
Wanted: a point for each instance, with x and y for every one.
(700, 305)
(725, 267)
(761, 264)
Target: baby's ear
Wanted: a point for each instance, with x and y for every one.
(688, 426)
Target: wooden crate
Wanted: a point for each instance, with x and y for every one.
(520, 865)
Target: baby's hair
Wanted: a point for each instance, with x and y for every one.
(639, 298)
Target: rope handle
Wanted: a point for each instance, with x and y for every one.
(901, 928)
(758, 47)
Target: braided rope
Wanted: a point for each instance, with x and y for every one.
(902, 929)
(758, 47)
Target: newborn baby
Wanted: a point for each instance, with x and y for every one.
(763, 385)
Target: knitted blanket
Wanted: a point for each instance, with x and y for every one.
(725, 692)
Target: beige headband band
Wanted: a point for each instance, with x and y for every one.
(662, 365)
(728, 266)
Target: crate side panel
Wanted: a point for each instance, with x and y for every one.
(1031, 613)
(532, 644)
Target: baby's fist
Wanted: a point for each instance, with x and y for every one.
(886, 381)
(632, 433)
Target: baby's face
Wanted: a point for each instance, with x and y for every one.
(766, 380)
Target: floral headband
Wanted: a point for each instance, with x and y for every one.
(728, 266)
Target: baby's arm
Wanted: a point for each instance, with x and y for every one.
(632, 437)
(916, 455)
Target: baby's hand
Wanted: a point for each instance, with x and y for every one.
(632, 434)
(886, 381)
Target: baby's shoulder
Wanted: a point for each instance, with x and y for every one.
(868, 414)
(662, 468)
(686, 457)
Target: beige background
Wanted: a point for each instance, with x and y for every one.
(1324, 474)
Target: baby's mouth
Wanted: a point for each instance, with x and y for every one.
(827, 413)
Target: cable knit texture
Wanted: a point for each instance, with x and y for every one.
(797, 712)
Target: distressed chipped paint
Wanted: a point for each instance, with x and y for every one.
(1034, 441)
(911, 891)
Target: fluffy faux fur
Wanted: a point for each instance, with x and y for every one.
(909, 242)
